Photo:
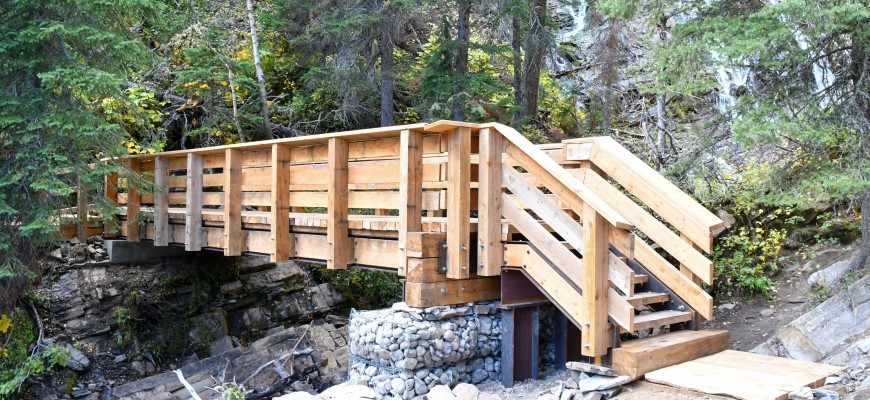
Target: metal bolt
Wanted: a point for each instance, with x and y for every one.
(588, 324)
(528, 252)
(463, 248)
(588, 346)
(444, 245)
(443, 291)
(462, 289)
(481, 245)
(681, 307)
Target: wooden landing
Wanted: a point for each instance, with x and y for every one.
(637, 357)
(746, 376)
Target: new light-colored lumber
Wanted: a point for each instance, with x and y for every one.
(682, 286)
(686, 269)
(336, 228)
(193, 204)
(595, 288)
(621, 276)
(161, 201)
(620, 310)
(660, 318)
(490, 253)
(110, 228)
(645, 298)
(232, 202)
(425, 244)
(410, 191)
(133, 200)
(283, 244)
(649, 225)
(567, 263)
(656, 191)
(531, 157)
(637, 357)
(452, 291)
(458, 203)
(535, 200)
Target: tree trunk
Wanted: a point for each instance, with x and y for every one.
(461, 56)
(258, 64)
(536, 44)
(864, 253)
(235, 103)
(516, 46)
(385, 44)
(609, 60)
(660, 124)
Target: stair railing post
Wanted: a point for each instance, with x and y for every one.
(595, 256)
(81, 212)
(133, 201)
(491, 253)
(458, 202)
(110, 229)
(339, 251)
(410, 191)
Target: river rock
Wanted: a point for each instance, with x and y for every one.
(76, 360)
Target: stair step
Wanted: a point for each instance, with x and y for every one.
(661, 318)
(643, 298)
(640, 278)
(635, 358)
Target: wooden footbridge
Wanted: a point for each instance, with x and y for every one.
(464, 212)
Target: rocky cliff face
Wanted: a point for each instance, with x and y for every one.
(136, 320)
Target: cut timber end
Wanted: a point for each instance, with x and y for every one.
(637, 357)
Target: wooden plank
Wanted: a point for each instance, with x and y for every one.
(656, 191)
(232, 202)
(687, 270)
(452, 291)
(637, 357)
(161, 201)
(535, 200)
(620, 310)
(81, 212)
(562, 259)
(491, 254)
(644, 298)
(649, 225)
(425, 244)
(661, 318)
(595, 288)
(620, 275)
(110, 229)
(282, 242)
(558, 178)
(804, 371)
(458, 203)
(682, 286)
(410, 191)
(424, 270)
(193, 205)
(133, 204)
(336, 228)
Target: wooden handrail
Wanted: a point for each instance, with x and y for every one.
(656, 191)
(550, 167)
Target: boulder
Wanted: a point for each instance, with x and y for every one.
(465, 391)
(440, 392)
(830, 275)
(76, 360)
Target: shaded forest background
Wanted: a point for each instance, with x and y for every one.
(759, 109)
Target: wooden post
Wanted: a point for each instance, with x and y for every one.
(410, 191)
(491, 254)
(133, 202)
(336, 224)
(595, 265)
(282, 243)
(193, 210)
(458, 202)
(81, 212)
(232, 202)
(110, 229)
(161, 201)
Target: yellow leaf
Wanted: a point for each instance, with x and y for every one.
(5, 323)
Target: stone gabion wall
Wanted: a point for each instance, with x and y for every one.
(403, 351)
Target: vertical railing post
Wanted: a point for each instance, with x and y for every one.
(133, 201)
(410, 191)
(336, 225)
(282, 243)
(595, 257)
(491, 254)
(110, 228)
(232, 202)
(81, 212)
(193, 209)
(161, 201)
(458, 202)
